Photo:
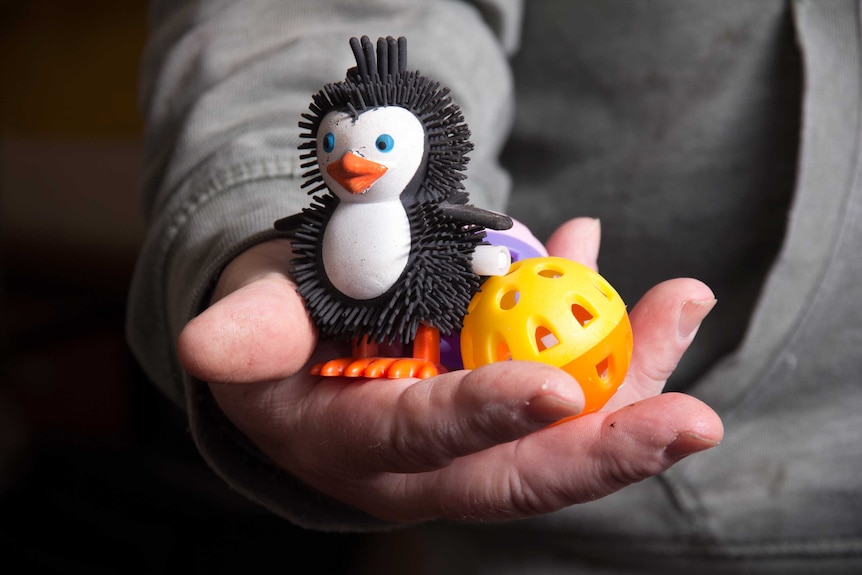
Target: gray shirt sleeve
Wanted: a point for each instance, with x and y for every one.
(222, 88)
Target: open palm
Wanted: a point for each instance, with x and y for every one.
(466, 445)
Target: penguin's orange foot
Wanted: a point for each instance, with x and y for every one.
(376, 368)
(411, 367)
(332, 368)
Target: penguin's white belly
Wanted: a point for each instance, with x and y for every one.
(366, 247)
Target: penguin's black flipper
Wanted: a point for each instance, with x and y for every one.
(473, 215)
(289, 223)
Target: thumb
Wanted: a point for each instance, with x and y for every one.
(258, 332)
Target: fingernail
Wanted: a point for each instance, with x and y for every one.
(549, 408)
(692, 314)
(687, 443)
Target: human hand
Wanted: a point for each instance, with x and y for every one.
(462, 445)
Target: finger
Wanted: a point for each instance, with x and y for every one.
(664, 323)
(411, 426)
(260, 332)
(578, 461)
(578, 240)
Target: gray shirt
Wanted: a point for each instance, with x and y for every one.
(715, 140)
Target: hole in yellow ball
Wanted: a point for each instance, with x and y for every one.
(603, 289)
(603, 368)
(582, 315)
(509, 299)
(502, 353)
(545, 338)
(551, 273)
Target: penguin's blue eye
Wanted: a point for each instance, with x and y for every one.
(385, 143)
(328, 142)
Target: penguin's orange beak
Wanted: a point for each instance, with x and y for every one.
(355, 173)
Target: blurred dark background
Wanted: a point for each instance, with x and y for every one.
(97, 472)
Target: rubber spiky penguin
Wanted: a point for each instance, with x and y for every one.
(386, 254)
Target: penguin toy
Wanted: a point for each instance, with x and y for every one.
(389, 251)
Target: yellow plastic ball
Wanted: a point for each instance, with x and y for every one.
(554, 311)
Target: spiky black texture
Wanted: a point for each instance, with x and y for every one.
(438, 282)
(435, 287)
